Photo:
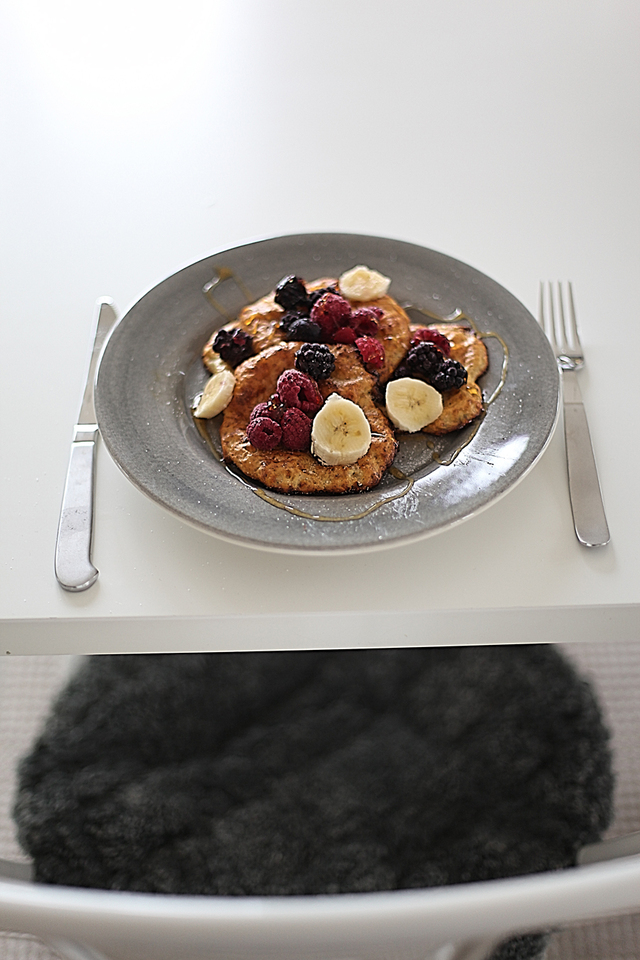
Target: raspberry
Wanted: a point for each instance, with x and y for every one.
(296, 430)
(316, 294)
(291, 292)
(234, 346)
(451, 375)
(344, 335)
(264, 433)
(365, 320)
(316, 360)
(331, 311)
(432, 336)
(303, 329)
(296, 389)
(260, 410)
(275, 408)
(371, 351)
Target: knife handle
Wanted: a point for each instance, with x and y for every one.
(73, 567)
(589, 518)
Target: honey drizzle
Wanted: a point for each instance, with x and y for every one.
(224, 273)
(354, 516)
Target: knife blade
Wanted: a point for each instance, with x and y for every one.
(73, 567)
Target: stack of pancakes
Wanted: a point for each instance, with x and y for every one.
(289, 471)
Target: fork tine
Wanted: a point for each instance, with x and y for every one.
(552, 332)
(572, 316)
(564, 343)
(543, 317)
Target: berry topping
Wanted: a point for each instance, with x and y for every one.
(260, 410)
(316, 294)
(424, 360)
(365, 320)
(371, 351)
(432, 336)
(344, 335)
(289, 318)
(296, 389)
(451, 375)
(264, 433)
(304, 329)
(275, 408)
(290, 292)
(331, 312)
(316, 360)
(296, 430)
(234, 346)
(427, 362)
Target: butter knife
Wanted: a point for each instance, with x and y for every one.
(73, 567)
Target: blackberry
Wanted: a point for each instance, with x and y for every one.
(451, 375)
(234, 346)
(427, 362)
(290, 292)
(289, 318)
(424, 360)
(316, 360)
(304, 329)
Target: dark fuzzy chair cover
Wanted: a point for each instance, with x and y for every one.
(316, 772)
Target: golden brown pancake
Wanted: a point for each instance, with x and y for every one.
(288, 471)
(465, 404)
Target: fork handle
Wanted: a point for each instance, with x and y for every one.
(589, 518)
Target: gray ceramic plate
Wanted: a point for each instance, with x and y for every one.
(151, 370)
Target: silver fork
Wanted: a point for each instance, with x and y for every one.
(561, 329)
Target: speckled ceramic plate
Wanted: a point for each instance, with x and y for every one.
(151, 370)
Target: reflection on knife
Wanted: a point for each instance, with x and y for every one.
(73, 566)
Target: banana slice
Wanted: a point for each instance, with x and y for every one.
(216, 395)
(362, 283)
(214, 362)
(340, 433)
(412, 404)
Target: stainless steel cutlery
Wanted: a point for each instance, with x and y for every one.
(557, 316)
(73, 567)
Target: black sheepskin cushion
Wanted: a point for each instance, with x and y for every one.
(316, 772)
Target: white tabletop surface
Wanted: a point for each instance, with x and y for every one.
(505, 135)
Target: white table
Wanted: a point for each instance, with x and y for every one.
(506, 136)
